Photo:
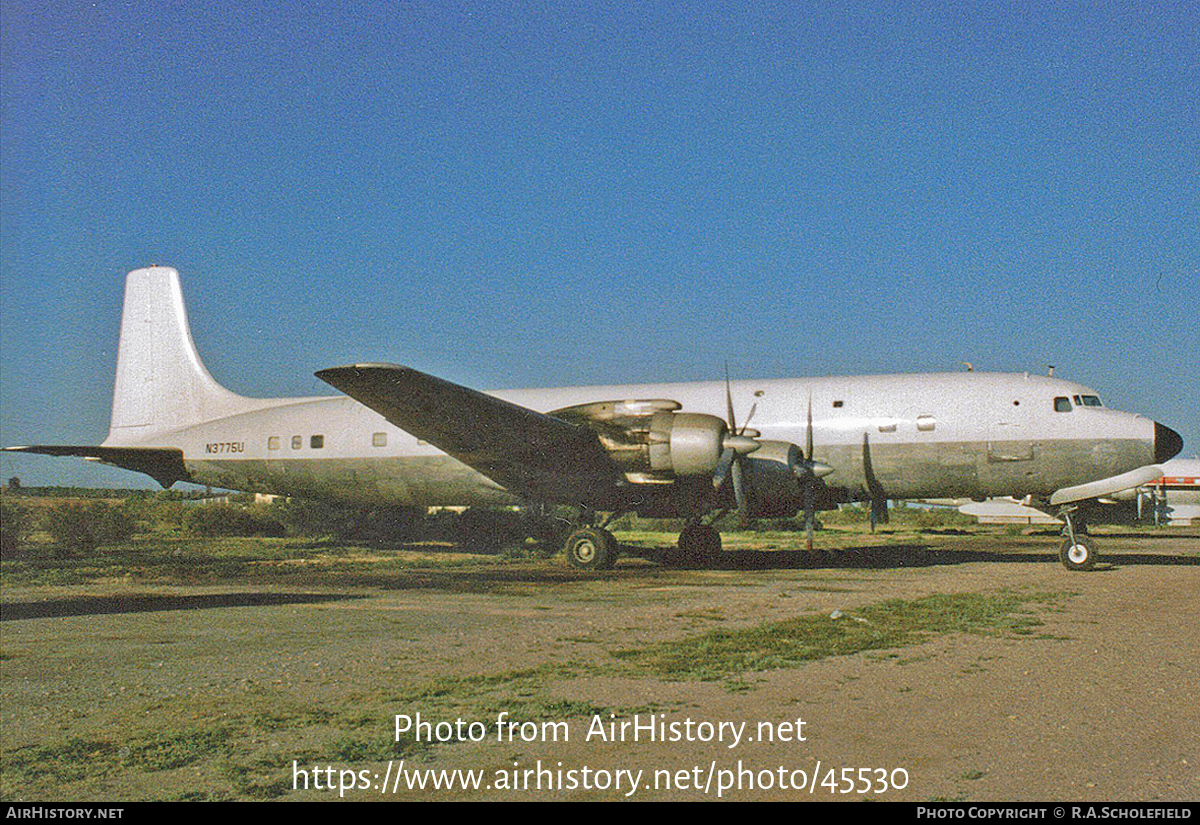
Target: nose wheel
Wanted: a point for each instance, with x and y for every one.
(1078, 553)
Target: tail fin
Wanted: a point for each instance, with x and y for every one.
(161, 384)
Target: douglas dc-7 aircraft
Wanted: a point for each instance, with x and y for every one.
(406, 438)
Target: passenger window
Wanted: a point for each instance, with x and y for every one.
(273, 443)
(925, 423)
(297, 442)
(379, 440)
(317, 442)
(890, 427)
(837, 404)
(1062, 404)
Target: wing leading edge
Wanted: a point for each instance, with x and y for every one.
(532, 454)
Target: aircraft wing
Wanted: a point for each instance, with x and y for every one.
(163, 464)
(532, 454)
(1108, 486)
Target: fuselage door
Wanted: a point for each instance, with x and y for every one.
(1009, 437)
(1009, 443)
(1012, 451)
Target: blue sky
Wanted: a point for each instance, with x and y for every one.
(566, 193)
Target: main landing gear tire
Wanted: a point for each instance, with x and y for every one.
(1078, 553)
(699, 545)
(590, 548)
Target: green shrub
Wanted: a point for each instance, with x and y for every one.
(853, 514)
(211, 520)
(14, 524)
(77, 527)
(388, 524)
(320, 519)
(160, 513)
(315, 519)
(479, 529)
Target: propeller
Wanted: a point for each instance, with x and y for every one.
(741, 441)
(808, 472)
(737, 443)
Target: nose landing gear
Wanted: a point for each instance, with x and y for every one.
(1077, 550)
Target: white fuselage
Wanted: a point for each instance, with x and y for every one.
(935, 435)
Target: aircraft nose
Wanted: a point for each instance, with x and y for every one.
(1167, 443)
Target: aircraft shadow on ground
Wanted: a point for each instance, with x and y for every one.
(880, 557)
(890, 556)
(98, 605)
(489, 579)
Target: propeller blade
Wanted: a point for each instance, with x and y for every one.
(729, 419)
(750, 415)
(736, 444)
(809, 472)
(722, 472)
(809, 511)
(808, 435)
(879, 513)
(739, 490)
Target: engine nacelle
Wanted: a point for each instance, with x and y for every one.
(650, 441)
(774, 490)
(685, 444)
(653, 443)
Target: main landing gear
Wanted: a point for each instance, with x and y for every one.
(699, 545)
(591, 548)
(595, 548)
(1077, 550)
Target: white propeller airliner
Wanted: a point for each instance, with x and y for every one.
(401, 437)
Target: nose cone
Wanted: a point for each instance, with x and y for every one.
(1167, 443)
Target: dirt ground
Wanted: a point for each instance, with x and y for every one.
(1098, 703)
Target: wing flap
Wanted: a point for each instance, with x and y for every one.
(531, 453)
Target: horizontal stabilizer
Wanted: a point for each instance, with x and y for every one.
(1107, 486)
(534, 454)
(163, 464)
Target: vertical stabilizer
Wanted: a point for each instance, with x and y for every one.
(161, 384)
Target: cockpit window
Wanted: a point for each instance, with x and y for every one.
(1092, 401)
(1062, 404)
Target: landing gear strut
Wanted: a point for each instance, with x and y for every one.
(1077, 550)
